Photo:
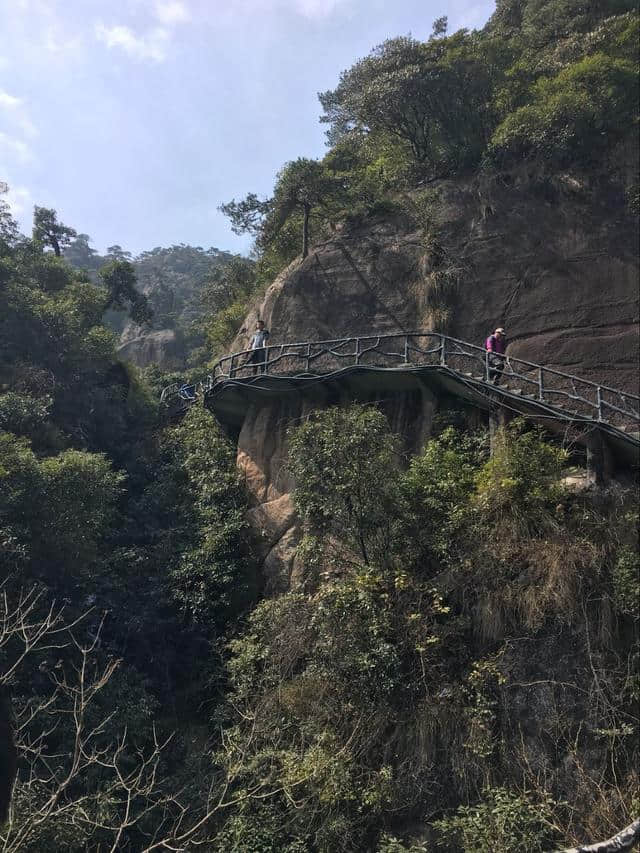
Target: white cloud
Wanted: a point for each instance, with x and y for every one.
(57, 42)
(14, 113)
(152, 45)
(170, 12)
(19, 200)
(9, 101)
(17, 125)
(311, 9)
(317, 8)
(17, 149)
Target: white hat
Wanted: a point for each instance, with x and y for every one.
(501, 330)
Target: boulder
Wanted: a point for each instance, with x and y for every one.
(158, 347)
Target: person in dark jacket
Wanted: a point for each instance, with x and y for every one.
(187, 392)
(496, 346)
(258, 347)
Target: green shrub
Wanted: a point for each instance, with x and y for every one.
(573, 116)
(225, 325)
(320, 682)
(345, 467)
(390, 844)
(522, 479)
(22, 414)
(626, 581)
(61, 505)
(214, 574)
(436, 491)
(502, 822)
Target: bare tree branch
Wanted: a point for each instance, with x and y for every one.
(623, 840)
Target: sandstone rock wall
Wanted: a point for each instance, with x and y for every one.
(555, 263)
(558, 267)
(144, 348)
(262, 457)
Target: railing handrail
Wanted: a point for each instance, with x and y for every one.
(449, 349)
(448, 338)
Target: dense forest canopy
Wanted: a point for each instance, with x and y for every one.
(170, 280)
(117, 522)
(393, 702)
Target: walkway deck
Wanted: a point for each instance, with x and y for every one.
(369, 364)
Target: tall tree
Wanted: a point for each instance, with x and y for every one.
(8, 225)
(47, 231)
(301, 186)
(117, 253)
(246, 215)
(119, 278)
(545, 22)
(433, 96)
(81, 255)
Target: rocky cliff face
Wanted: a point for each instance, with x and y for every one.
(554, 263)
(262, 457)
(144, 348)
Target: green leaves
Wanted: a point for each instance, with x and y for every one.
(119, 278)
(433, 96)
(344, 464)
(213, 573)
(225, 300)
(522, 480)
(246, 215)
(502, 821)
(47, 231)
(301, 186)
(436, 498)
(62, 504)
(573, 116)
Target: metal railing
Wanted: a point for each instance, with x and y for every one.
(573, 396)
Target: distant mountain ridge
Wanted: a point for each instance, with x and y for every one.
(172, 278)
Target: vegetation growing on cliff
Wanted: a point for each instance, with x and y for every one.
(545, 86)
(459, 669)
(124, 559)
(410, 696)
(412, 687)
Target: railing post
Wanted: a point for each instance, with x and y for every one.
(308, 358)
(443, 351)
(599, 401)
(486, 365)
(266, 360)
(406, 349)
(357, 350)
(540, 385)
(232, 368)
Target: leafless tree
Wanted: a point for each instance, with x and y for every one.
(63, 747)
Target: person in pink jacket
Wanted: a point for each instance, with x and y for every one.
(496, 346)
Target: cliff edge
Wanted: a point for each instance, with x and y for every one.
(555, 263)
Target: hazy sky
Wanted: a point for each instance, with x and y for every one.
(137, 118)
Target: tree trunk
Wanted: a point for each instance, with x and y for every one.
(305, 231)
(8, 757)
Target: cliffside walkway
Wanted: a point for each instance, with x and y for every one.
(402, 361)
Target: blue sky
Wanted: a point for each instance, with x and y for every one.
(135, 119)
